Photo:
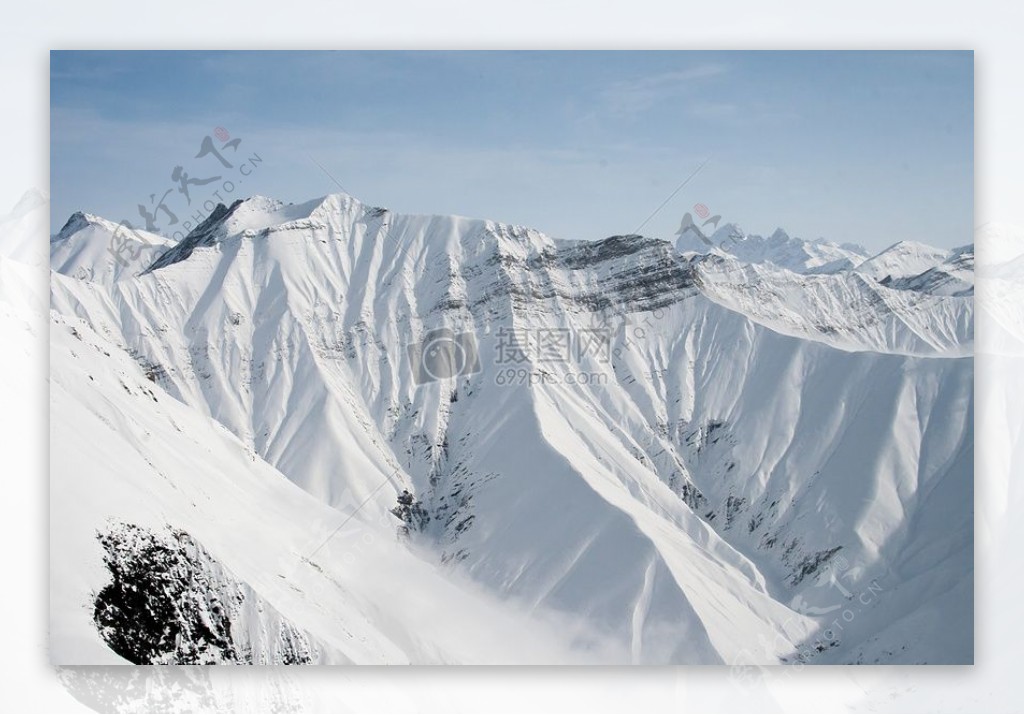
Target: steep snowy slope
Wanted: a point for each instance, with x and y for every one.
(150, 497)
(91, 248)
(735, 456)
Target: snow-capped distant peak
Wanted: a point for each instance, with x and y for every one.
(691, 239)
(779, 249)
(944, 273)
(961, 253)
(902, 259)
(727, 232)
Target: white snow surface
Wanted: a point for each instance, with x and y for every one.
(759, 451)
(905, 265)
(91, 248)
(902, 260)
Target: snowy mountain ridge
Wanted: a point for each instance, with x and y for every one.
(905, 265)
(741, 450)
(93, 248)
(794, 254)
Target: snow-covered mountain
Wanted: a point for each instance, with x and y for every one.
(905, 265)
(902, 260)
(779, 249)
(173, 542)
(949, 273)
(393, 438)
(92, 248)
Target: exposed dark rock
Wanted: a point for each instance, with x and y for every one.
(205, 234)
(171, 603)
(412, 513)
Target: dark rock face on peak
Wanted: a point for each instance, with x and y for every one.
(585, 254)
(74, 224)
(205, 234)
(628, 273)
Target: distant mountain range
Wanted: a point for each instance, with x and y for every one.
(905, 265)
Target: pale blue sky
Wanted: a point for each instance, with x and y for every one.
(871, 147)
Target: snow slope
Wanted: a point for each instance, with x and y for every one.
(131, 454)
(902, 260)
(953, 276)
(91, 248)
(747, 458)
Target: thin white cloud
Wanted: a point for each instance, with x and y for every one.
(640, 94)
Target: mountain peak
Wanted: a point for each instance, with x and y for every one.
(252, 215)
(902, 259)
(908, 246)
(75, 223)
(727, 232)
(205, 234)
(80, 220)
